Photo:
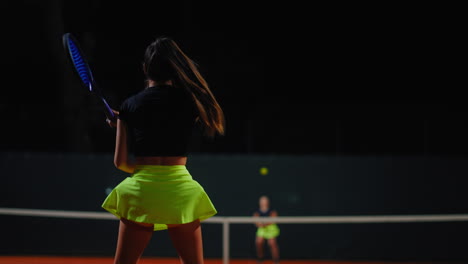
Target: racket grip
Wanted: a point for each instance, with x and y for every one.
(108, 111)
(111, 116)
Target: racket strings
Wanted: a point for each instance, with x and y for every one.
(80, 64)
(84, 72)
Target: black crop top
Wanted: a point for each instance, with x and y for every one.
(160, 121)
(264, 213)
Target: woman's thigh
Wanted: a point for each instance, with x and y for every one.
(132, 241)
(187, 240)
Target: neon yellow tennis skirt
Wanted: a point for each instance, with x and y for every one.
(269, 231)
(160, 195)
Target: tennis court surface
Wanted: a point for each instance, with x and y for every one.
(108, 260)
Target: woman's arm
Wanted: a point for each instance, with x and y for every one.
(273, 213)
(257, 224)
(121, 158)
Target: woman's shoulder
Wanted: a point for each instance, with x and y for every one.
(157, 97)
(137, 97)
(128, 102)
(132, 102)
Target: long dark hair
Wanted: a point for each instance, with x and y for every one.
(164, 61)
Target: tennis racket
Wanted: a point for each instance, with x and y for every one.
(81, 66)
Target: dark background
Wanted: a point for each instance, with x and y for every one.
(355, 109)
(291, 78)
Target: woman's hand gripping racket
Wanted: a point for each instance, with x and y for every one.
(84, 72)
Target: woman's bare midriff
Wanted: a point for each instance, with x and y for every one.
(162, 160)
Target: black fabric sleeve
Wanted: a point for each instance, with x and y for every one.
(124, 110)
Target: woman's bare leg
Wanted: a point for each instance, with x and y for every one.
(274, 249)
(132, 241)
(187, 240)
(259, 241)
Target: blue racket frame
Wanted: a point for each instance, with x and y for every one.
(81, 66)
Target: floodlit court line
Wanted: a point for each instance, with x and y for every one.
(227, 220)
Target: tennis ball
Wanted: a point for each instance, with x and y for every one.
(263, 170)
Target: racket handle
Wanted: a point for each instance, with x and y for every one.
(108, 111)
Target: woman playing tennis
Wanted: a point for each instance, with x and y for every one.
(266, 231)
(158, 123)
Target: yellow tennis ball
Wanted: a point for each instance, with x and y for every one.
(263, 170)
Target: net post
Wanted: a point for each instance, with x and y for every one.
(225, 240)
